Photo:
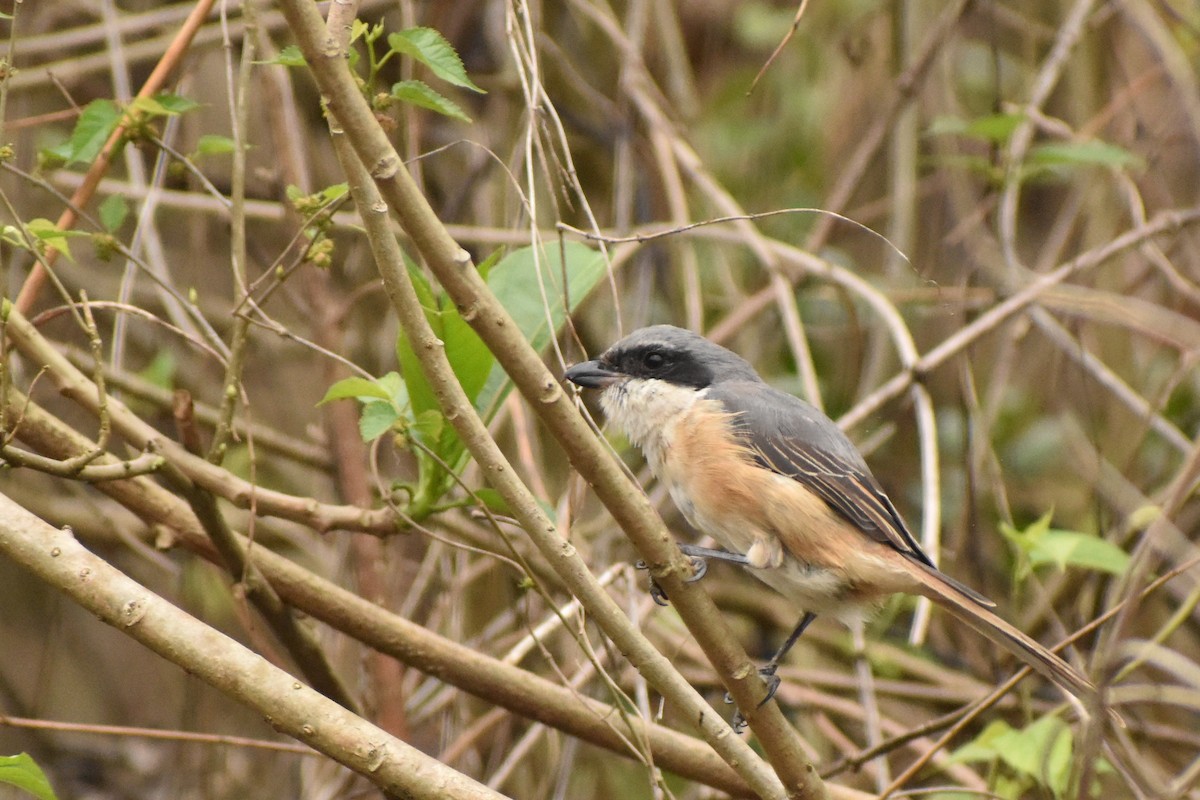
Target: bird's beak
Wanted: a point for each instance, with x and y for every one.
(592, 375)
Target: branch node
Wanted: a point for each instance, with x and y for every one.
(551, 392)
(386, 168)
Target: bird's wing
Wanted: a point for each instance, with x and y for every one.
(791, 437)
(788, 436)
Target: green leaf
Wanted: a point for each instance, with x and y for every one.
(97, 122)
(1081, 154)
(518, 282)
(996, 128)
(1026, 539)
(364, 31)
(358, 388)
(113, 212)
(12, 234)
(468, 356)
(51, 235)
(24, 773)
(289, 56)
(427, 428)
(431, 49)
(493, 501)
(1041, 751)
(484, 267)
(212, 145)
(164, 105)
(419, 94)
(422, 286)
(1075, 549)
(984, 747)
(333, 192)
(377, 418)
(393, 384)
(419, 391)
(1040, 545)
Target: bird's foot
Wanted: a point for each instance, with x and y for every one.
(699, 570)
(767, 673)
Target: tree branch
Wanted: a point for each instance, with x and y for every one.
(291, 707)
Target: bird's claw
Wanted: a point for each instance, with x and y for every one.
(767, 673)
(699, 570)
(656, 592)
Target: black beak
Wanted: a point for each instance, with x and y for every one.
(592, 375)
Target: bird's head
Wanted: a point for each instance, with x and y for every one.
(663, 353)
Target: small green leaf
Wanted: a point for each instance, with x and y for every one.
(427, 428)
(24, 773)
(12, 235)
(431, 49)
(95, 124)
(358, 28)
(1041, 545)
(358, 388)
(996, 128)
(1089, 153)
(1074, 549)
(212, 145)
(51, 235)
(113, 212)
(1041, 751)
(393, 384)
(289, 56)
(985, 746)
(46, 230)
(334, 191)
(377, 419)
(419, 94)
(164, 105)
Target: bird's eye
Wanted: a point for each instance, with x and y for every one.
(653, 360)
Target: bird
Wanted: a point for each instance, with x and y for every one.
(782, 489)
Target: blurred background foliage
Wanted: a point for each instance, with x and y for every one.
(971, 147)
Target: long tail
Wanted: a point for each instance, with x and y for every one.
(948, 594)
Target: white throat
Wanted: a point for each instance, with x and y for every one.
(646, 410)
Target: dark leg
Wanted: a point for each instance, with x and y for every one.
(767, 671)
(695, 551)
(772, 665)
(699, 556)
